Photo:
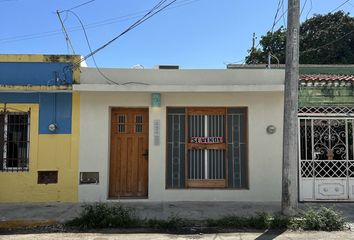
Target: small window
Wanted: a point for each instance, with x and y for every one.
(138, 123)
(121, 123)
(121, 118)
(47, 177)
(14, 141)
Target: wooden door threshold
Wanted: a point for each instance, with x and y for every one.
(126, 198)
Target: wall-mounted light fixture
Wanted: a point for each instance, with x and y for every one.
(271, 129)
(155, 100)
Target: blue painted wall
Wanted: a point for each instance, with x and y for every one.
(53, 108)
(35, 73)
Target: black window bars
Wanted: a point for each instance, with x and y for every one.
(14, 140)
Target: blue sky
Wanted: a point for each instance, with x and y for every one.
(193, 34)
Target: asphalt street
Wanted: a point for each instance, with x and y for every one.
(219, 236)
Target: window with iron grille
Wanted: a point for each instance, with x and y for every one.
(206, 148)
(14, 141)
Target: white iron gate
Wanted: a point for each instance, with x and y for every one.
(326, 161)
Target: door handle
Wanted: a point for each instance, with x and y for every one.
(146, 154)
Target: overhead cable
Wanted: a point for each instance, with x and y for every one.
(109, 21)
(155, 10)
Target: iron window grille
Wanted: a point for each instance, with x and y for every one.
(14, 140)
(206, 147)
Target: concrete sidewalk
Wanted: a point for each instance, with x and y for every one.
(61, 212)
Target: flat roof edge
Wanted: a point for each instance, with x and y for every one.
(176, 88)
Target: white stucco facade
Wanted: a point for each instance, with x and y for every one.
(265, 107)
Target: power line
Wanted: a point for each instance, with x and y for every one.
(303, 7)
(275, 23)
(90, 25)
(276, 14)
(82, 4)
(93, 25)
(345, 2)
(135, 15)
(2, 1)
(283, 14)
(89, 45)
(334, 41)
(309, 11)
(314, 49)
(93, 57)
(327, 44)
(155, 10)
(146, 16)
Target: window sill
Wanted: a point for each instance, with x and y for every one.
(15, 169)
(207, 188)
(219, 183)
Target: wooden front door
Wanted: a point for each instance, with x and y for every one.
(128, 176)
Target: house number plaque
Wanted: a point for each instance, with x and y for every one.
(156, 124)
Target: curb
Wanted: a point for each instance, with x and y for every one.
(25, 223)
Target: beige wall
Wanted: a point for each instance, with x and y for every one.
(264, 108)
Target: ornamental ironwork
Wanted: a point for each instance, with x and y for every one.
(326, 110)
(326, 147)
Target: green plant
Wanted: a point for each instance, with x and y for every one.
(281, 222)
(261, 221)
(101, 215)
(172, 223)
(228, 221)
(325, 219)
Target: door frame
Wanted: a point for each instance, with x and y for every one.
(111, 110)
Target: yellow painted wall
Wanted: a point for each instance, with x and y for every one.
(47, 152)
(44, 58)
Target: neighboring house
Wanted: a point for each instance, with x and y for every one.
(326, 136)
(326, 131)
(39, 135)
(180, 135)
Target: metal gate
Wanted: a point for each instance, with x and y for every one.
(326, 160)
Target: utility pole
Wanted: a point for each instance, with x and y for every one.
(254, 41)
(290, 136)
(67, 39)
(253, 48)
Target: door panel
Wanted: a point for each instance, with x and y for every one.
(326, 189)
(129, 145)
(326, 157)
